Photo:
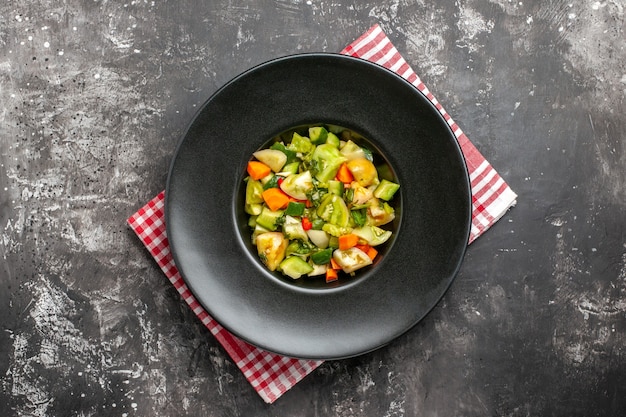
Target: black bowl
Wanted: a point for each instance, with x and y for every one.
(382, 165)
(207, 227)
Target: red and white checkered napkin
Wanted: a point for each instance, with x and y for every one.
(271, 375)
(491, 196)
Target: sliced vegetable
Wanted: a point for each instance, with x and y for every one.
(254, 209)
(360, 195)
(331, 275)
(335, 187)
(254, 189)
(373, 235)
(363, 171)
(306, 224)
(348, 241)
(319, 238)
(272, 182)
(291, 155)
(359, 217)
(322, 257)
(295, 267)
(318, 135)
(252, 221)
(258, 229)
(275, 199)
(271, 247)
(369, 250)
(316, 195)
(352, 151)
(351, 259)
(334, 210)
(386, 189)
(299, 247)
(318, 270)
(332, 139)
(344, 175)
(300, 144)
(292, 228)
(258, 170)
(335, 231)
(273, 158)
(379, 214)
(267, 178)
(298, 185)
(269, 218)
(294, 209)
(254, 199)
(317, 224)
(348, 194)
(291, 168)
(327, 160)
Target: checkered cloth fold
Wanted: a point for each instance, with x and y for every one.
(272, 375)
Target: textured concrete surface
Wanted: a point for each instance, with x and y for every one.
(94, 96)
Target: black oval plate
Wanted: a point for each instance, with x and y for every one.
(207, 231)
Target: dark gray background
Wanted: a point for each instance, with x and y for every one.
(94, 96)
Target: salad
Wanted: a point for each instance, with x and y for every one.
(318, 204)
